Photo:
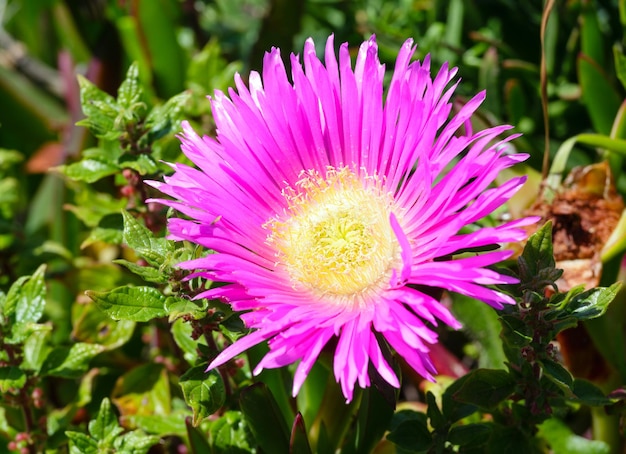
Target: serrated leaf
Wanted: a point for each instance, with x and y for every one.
(101, 110)
(70, 362)
(139, 238)
(36, 348)
(538, 254)
(486, 388)
(81, 443)
(135, 442)
(32, 299)
(147, 273)
(179, 307)
(12, 379)
(143, 164)
(164, 118)
(204, 391)
(89, 170)
(105, 427)
(229, 434)
(26, 298)
(130, 92)
(137, 304)
(592, 303)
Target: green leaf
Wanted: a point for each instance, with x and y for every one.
(409, 431)
(81, 443)
(198, 441)
(130, 92)
(89, 170)
(137, 304)
(181, 332)
(204, 391)
(26, 298)
(105, 427)
(299, 441)
(557, 373)
(138, 237)
(563, 441)
(600, 97)
(511, 440)
(179, 307)
(143, 164)
(103, 235)
(437, 421)
(620, 64)
(375, 412)
(515, 332)
(265, 418)
(70, 362)
(452, 408)
(144, 390)
(147, 273)
(101, 111)
(229, 434)
(173, 424)
(91, 206)
(592, 303)
(589, 394)
(12, 379)
(482, 323)
(474, 435)
(537, 259)
(486, 388)
(32, 298)
(135, 442)
(36, 348)
(163, 119)
(93, 326)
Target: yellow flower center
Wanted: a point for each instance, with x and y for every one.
(337, 238)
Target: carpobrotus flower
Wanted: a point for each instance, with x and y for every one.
(329, 205)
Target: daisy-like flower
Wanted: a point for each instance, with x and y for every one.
(329, 204)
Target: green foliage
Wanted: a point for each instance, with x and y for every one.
(106, 435)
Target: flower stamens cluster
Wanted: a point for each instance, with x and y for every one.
(335, 239)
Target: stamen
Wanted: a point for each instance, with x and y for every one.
(336, 239)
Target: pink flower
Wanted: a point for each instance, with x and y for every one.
(328, 202)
